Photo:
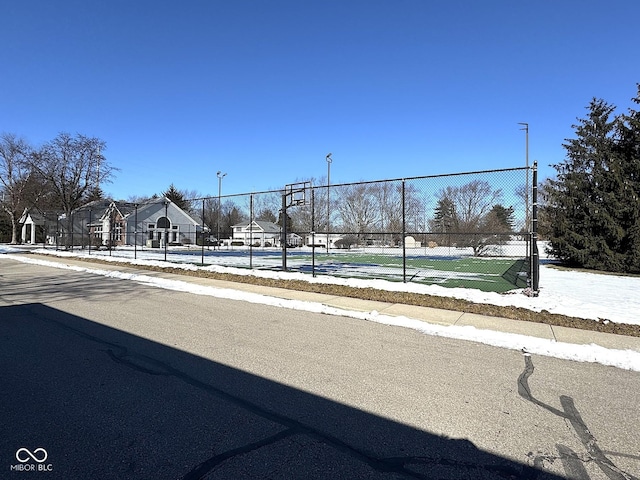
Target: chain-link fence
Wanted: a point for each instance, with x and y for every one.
(473, 230)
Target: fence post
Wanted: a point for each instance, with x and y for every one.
(135, 234)
(404, 236)
(283, 230)
(313, 233)
(251, 231)
(166, 226)
(90, 221)
(534, 236)
(202, 238)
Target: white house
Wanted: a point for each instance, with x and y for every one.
(259, 233)
(321, 239)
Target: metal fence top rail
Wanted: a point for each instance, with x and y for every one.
(368, 182)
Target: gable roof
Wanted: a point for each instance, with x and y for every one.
(104, 207)
(264, 225)
(36, 217)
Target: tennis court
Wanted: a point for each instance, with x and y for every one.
(446, 267)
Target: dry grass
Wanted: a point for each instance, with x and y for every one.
(422, 300)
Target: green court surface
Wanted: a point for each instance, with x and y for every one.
(482, 273)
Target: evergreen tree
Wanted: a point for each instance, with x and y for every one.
(504, 218)
(177, 197)
(590, 204)
(267, 215)
(444, 219)
(630, 213)
(95, 193)
(444, 214)
(289, 222)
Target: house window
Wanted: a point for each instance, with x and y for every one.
(152, 225)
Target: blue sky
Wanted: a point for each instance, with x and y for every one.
(264, 89)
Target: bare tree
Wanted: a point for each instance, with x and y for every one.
(358, 207)
(394, 218)
(15, 180)
(466, 214)
(521, 192)
(267, 205)
(211, 214)
(138, 199)
(231, 214)
(72, 167)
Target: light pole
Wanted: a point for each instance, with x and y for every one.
(329, 160)
(525, 127)
(220, 177)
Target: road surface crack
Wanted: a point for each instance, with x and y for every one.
(572, 463)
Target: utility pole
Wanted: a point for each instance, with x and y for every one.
(525, 127)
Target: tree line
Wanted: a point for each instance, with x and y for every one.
(475, 214)
(68, 172)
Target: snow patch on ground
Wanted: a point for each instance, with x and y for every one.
(612, 285)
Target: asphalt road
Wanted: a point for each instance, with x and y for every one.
(110, 379)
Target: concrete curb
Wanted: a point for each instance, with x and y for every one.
(424, 314)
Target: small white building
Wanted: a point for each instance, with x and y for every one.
(259, 233)
(33, 227)
(410, 242)
(321, 239)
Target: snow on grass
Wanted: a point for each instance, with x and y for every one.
(592, 296)
(626, 359)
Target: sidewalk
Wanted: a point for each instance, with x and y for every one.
(424, 314)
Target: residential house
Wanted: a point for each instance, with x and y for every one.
(106, 222)
(259, 233)
(262, 233)
(153, 223)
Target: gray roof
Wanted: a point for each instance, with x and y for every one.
(266, 226)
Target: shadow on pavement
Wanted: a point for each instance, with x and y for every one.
(81, 400)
